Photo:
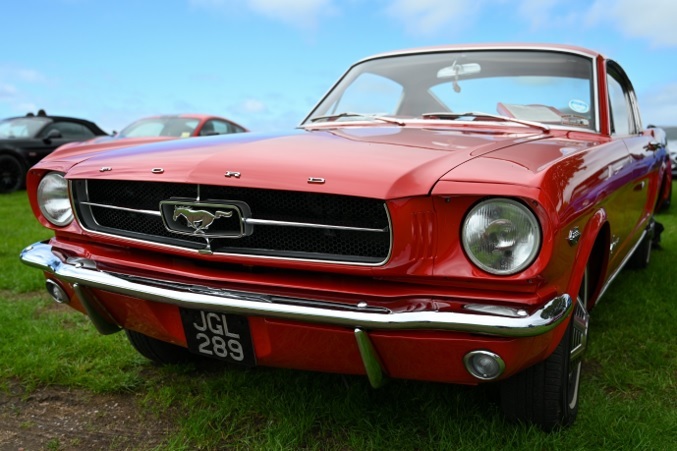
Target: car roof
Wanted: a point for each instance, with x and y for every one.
(90, 124)
(185, 115)
(199, 116)
(488, 46)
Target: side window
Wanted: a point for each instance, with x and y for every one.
(214, 127)
(619, 104)
(72, 130)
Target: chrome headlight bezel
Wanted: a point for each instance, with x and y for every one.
(497, 221)
(53, 199)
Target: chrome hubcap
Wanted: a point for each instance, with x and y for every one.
(579, 341)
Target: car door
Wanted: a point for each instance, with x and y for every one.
(56, 134)
(635, 176)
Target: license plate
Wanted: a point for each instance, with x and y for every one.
(218, 335)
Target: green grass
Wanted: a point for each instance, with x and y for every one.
(628, 396)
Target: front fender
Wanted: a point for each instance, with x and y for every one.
(592, 253)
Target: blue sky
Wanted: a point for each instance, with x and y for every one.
(265, 63)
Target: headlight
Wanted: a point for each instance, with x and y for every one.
(501, 236)
(53, 199)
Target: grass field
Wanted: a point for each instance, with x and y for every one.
(628, 394)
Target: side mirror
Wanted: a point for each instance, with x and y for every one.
(53, 134)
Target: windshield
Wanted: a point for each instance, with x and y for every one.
(181, 127)
(22, 127)
(549, 87)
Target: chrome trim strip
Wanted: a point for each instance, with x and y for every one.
(544, 319)
(497, 310)
(488, 48)
(620, 268)
(310, 225)
(370, 359)
(115, 207)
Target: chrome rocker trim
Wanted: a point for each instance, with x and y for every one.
(83, 273)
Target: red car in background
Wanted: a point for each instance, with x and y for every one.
(445, 214)
(160, 128)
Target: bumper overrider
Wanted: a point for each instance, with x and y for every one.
(488, 320)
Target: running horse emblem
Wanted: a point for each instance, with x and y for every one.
(200, 220)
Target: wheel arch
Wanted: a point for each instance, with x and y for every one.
(593, 256)
(22, 165)
(16, 153)
(664, 194)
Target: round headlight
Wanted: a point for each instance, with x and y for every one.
(501, 236)
(53, 199)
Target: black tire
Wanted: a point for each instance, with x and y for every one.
(641, 257)
(664, 204)
(668, 201)
(546, 394)
(159, 351)
(12, 174)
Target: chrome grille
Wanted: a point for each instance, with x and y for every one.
(286, 224)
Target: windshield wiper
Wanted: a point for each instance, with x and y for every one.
(331, 117)
(479, 115)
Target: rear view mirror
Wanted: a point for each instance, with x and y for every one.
(53, 134)
(458, 70)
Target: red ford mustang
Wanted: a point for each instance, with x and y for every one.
(443, 214)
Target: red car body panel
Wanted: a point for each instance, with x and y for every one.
(429, 174)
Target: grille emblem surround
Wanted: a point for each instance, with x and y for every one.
(214, 219)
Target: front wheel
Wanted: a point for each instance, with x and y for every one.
(12, 174)
(546, 394)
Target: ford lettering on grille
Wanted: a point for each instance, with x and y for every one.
(206, 219)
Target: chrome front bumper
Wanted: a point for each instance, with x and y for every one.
(492, 320)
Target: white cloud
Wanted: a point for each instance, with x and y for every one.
(653, 20)
(251, 106)
(427, 17)
(548, 14)
(7, 91)
(254, 106)
(21, 74)
(304, 14)
(30, 76)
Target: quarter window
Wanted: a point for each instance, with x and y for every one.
(214, 127)
(620, 107)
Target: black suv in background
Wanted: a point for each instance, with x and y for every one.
(27, 139)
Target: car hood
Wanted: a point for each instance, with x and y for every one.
(105, 143)
(378, 161)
